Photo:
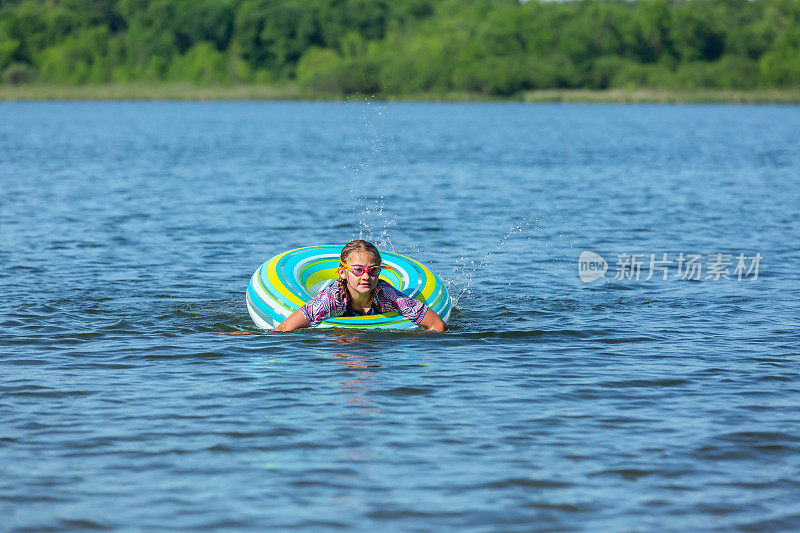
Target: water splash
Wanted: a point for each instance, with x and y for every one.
(463, 273)
(518, 247)
(522, 243)
(372, 211)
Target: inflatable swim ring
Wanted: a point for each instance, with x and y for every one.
(288, 280)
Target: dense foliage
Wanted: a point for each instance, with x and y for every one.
(396, 47)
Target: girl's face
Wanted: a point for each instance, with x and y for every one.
(365, 282)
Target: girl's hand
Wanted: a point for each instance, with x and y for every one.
(294, 321)
(433, 322)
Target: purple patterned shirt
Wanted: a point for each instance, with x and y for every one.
(385, 298)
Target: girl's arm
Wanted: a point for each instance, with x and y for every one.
(296, 321)
(431, 321)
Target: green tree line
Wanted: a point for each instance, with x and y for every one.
(402, 47)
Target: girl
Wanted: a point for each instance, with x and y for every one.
(358, 291)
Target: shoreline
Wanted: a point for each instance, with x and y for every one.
(188, 92)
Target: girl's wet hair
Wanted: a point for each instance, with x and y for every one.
(351, 247)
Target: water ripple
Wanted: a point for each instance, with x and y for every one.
(129, 231)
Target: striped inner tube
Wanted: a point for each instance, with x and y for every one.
(288, 280)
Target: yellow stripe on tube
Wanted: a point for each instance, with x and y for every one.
(321, 275)
(277, 284)
(430, 283)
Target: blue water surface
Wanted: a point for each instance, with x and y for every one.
(136, 394)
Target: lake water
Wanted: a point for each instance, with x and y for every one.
(129, 231)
